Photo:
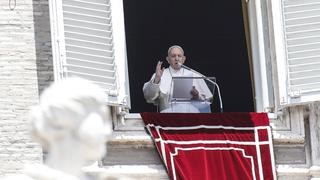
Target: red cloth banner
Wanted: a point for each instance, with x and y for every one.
(219, 146)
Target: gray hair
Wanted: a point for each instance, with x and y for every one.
(175, 46)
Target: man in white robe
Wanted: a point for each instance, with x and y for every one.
(159, 89)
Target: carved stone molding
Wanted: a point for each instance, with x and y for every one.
(288, 127)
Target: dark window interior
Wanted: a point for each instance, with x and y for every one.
(212, 35)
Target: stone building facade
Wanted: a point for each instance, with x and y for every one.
(26, 68)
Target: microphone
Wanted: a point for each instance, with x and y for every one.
(184, 66)
(205, 77)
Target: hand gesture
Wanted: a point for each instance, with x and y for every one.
(159, 72)
(195, 93)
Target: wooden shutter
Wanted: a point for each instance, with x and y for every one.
(83, 32)
(301, 24)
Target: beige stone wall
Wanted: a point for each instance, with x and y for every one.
(25, 69)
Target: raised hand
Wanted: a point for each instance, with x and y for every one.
(159, 72)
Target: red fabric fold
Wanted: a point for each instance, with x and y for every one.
(213, 146)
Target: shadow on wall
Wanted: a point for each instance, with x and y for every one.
(43, 44)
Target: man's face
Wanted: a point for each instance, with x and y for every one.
(176, 58)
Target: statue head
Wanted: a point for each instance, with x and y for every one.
(72, 112)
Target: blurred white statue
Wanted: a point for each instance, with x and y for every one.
(70, 123)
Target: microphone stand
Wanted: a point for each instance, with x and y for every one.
(218, 89)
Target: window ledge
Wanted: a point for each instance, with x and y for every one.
(283, 137)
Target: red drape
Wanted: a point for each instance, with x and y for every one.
(223, 146)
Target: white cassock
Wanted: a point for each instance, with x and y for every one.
(159, 94)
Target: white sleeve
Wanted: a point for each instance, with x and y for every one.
(151, 91)
(203, 89)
